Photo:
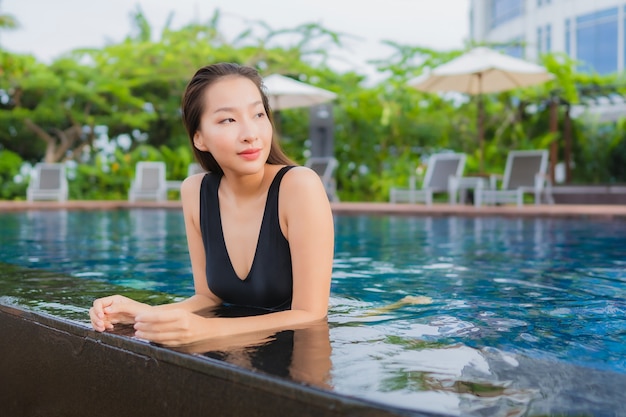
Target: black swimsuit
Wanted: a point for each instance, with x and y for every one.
(269, 283)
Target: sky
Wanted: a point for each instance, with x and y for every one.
(49, 28)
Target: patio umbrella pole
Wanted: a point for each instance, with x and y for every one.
(554, 128)
(481, 129)
(277, 122)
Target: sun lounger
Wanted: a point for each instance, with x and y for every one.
(149, 182)
(48, 182)
(525, 173)
(442, 167)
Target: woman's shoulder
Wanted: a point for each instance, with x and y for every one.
(302, 183)
(190, 187)
(301, 176)
(193, 181)
(300, 171)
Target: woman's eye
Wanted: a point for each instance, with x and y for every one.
(226, 121)
(260, 115)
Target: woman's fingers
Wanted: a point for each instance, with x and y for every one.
(168, 328)
(111, 310)
(154, 319)
(127, 308)
(98, 321)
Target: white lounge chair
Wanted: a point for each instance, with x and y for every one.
(442, 167)
(525, 173)
(48, 182)
(149, 182)
(325, 167)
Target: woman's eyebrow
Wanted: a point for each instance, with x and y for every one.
(232, 109)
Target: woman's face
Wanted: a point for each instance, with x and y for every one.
(234, 127)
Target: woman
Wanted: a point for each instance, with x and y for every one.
(259, 230)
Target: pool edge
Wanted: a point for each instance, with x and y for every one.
(603, 211)
(54, 366)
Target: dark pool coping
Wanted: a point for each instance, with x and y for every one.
(52, 367)
(607, 211)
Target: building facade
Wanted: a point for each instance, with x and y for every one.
(592, 32)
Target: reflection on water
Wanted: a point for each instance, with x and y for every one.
(527, 315)
(140, 248)
(302, 354)
(551, 288)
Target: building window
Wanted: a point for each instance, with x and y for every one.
(596, 41)
(624, 40)
(472, 28)
(504, 10)
(514, 48)
(568, 39)
(544, 40)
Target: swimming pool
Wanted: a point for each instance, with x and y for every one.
(528, 315)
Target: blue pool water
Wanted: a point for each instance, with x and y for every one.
(505, 291)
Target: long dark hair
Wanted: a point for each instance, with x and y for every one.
(193, 107)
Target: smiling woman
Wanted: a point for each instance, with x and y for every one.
(259, 229)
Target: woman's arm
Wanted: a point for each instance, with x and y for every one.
(108, 311)
(306, 219)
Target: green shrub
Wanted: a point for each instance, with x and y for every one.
(13, 183)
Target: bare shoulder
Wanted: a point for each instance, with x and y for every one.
(301, 189)
(304, 207)
(192, 181)
(301, 179)
(190, 188)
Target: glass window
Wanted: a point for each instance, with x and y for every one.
(596, 41)
(514, 48)
(539, 41)
(504, 10)
(548, 43)
(624, 40)
(568, 33)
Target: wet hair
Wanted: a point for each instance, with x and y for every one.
(193, 106)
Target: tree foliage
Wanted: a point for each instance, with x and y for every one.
(131, 91)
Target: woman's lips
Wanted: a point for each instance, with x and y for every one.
(250, 154)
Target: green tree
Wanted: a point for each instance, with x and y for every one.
(383, 132)
(62, 104)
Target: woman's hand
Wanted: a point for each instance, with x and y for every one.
(108, 311)
(172, 327)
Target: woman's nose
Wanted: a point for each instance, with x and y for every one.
(248, 131)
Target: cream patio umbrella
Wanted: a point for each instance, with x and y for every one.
(287, 93)
(482, 71)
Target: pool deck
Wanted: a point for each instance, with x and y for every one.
(442, 209)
